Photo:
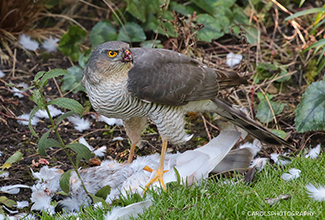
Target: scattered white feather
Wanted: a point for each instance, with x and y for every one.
(255, 147)
(17, 92)
(22, 204)
(117, 139)
(233, 60)
(34, 121)
(293, 174)
(10, 212)
(259, 163)
(51, 44)
(125, 213)
(83, 141)
(27, 43)
(53, 111)
(42, 202)
(100, 152)
(192, 166)
(314, 152)
(110, 121)
(275, 158)
(2, 217)
(317, 193)
(13, 189)
(81, 124)
(2, 74)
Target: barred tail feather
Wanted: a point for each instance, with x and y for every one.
(239, 118)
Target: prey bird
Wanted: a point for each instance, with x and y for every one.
(135, 84)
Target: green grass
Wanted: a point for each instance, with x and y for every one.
(215, 200)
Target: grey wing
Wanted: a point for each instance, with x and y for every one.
(170, 78)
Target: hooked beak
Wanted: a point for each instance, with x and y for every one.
(128, 57)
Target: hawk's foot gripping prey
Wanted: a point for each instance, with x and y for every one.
(135, 84)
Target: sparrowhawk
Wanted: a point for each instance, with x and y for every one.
(134, 84)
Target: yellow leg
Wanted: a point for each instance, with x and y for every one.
(160, 171)
(130, 158)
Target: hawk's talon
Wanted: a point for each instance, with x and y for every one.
(158, 177)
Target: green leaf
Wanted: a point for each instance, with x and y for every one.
(182, 9)
(45, 143)
(137, 8)
(96, 199)
(102, 32)
(73, 81)
(38, 99)
(70, 42)
(212, 27)
(132, 32)
(305, 12)
(310, 112)
(31, 116)
(12, 159)
(63, 116)
(261, 96)
(65, 181)
(83, 59)
(279, 133)
(81, 150)
(39, 75)
(264, 113)
(103, 192)
(204, 6)
(70, 104)
(53, 73)
(178, 176)
(7, 202)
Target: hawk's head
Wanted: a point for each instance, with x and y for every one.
(109, 59)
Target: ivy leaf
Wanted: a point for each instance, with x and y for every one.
(212, 27)
(103, 31)
(73, 81)
(70, 42)
(65, 181)
(310, 112)
(81, 150)
(83, 59)
(103, 192)
(70, 104)
(204, 6)
(132, 32)
(264, 113)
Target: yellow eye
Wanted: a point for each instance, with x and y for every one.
(111, 53)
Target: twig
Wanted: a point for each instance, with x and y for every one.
(205, 126)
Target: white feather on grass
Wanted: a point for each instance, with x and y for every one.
(293, 174)
(100, 152)
(125, 213)
(317, 193)
(192, 166)
(314, 152)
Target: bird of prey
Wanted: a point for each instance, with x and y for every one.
(134, 84)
